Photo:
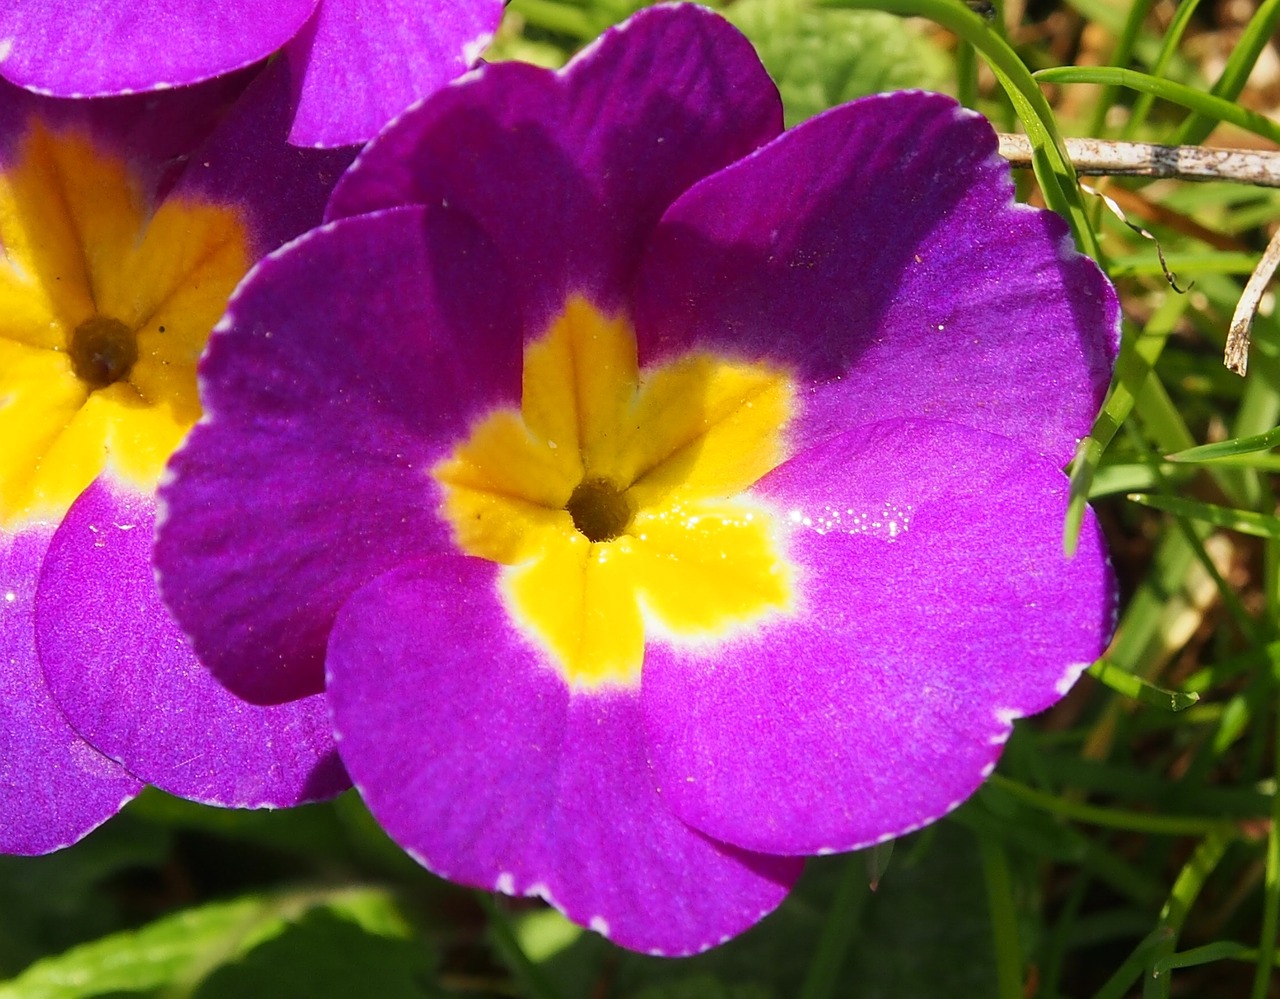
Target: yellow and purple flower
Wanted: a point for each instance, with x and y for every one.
(125, 225)
(356, 63)
(658, 496)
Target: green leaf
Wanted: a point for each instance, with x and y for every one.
(176, 953)
(141, 961)
(48, 904)
(326, 956)
(543, 933)
(910, 943)
(821, 57)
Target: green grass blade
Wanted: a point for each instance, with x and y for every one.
(1271, 893)
(1141, 265)
(1120, 56)
(1244, 55)
(1117, 986)
(1125, 683)
(1229, 449)
(966, 75)
(1186, 889)
(1176, 93)
(1138, 355)
(1111, 818)
(1172, 37)
(1220, 951)
(1258, 525)
(1004, 917)
(508, 944)
(838, 932)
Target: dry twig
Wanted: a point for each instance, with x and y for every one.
(1236, 356)
(1101, 157)
(1261, 168)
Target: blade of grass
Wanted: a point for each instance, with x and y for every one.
(1124, 682)
(1255, 462)
(1271, 890)
(1186, 889)
(1258, 412)
(1138, 355)
(1117, 986)
(1004, 918)
(1196, 533)
(1121, 56)
(1111, 818)
(1258, 525)
(1141, 265)
(1169, 45)
(1228, 449)
(1038, 834)
(1127, 478)
(1175, 93)
(537, 984)
(838, 931)
(1244, 55)
(966, 75)
(1220, 951)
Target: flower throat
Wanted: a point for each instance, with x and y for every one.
(613, 497)
(103, 351)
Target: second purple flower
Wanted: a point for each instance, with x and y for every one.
(660, 498)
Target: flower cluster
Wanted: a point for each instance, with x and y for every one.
(655, 496)
(126, 223)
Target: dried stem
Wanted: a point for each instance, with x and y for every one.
(1236, 356)
(1100, 157)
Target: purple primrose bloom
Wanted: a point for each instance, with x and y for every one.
(125, 225)
(356, 63)
(659, 497)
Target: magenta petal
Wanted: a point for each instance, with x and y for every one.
(877, 252)
(127, 679)
(935, 606)
(362, 62)
(54, 786)
(279, 190)
(87, 48)
(569, 172)
(347, 365)
(475, 757)
(154, 133)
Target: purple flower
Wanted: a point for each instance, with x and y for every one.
(658, 497)
(126, 223)
(357, 63)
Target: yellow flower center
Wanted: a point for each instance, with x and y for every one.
(105, 307)
(613, 497)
